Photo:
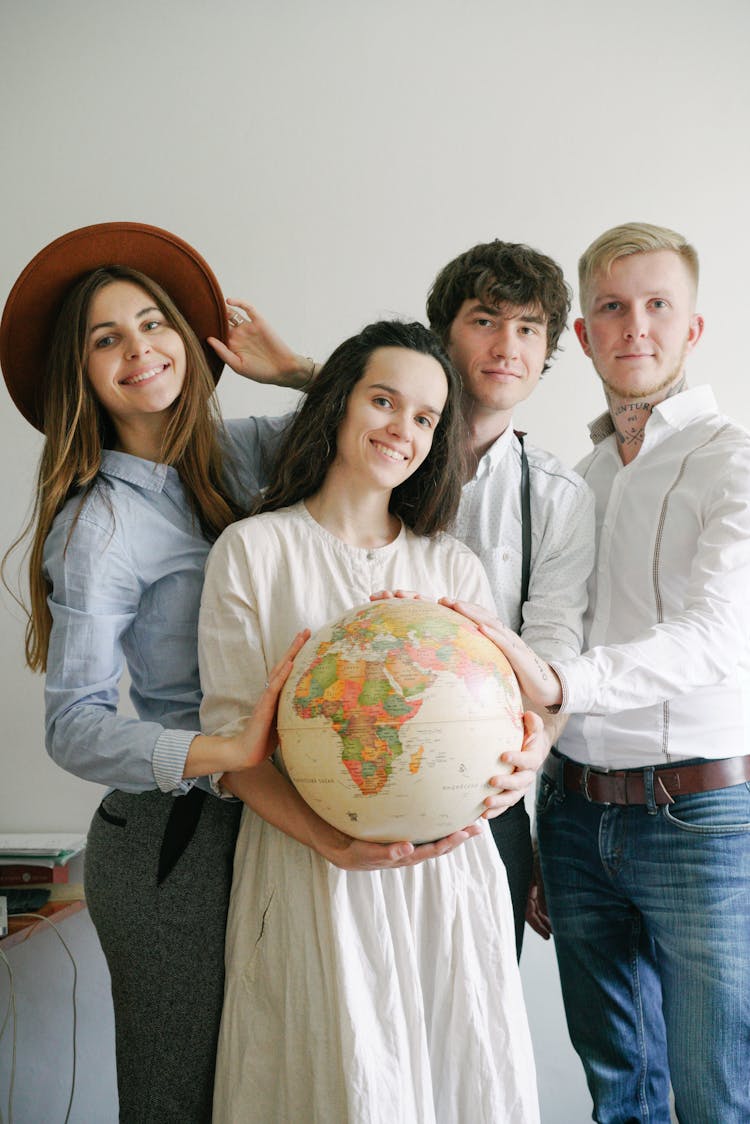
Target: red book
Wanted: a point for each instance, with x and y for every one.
(27, 874)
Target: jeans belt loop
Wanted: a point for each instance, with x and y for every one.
(648, 788)
(560, 774)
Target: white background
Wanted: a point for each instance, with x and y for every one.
(327, 159)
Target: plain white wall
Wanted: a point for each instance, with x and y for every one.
(328, 158)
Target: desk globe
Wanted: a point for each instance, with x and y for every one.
(393, 719)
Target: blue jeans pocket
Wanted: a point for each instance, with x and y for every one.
(724, 811)
(547, 795)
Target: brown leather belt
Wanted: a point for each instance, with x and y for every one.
(628, 786)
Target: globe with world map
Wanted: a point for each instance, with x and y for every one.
(393, 719)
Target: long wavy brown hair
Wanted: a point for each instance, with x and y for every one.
(428, 500)
(77, 429)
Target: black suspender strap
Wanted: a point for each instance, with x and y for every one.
(525, 522)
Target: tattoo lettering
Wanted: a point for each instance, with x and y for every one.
(626, 407)
(630, 421)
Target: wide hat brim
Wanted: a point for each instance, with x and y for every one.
(34, 302)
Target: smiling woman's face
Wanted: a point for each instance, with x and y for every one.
(391, 415)
(135, 360)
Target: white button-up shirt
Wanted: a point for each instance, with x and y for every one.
(667, 675)
(562, 542)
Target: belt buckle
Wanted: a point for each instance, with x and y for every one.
(585, 782)
(587, 770)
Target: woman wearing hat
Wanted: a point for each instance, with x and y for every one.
(101, 348)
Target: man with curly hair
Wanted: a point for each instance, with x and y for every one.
(500, 309)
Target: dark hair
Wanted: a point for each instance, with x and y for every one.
(428, 500)
(499, 273)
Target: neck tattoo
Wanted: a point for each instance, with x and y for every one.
(629, 420)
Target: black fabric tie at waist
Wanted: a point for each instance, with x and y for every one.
(181, 825)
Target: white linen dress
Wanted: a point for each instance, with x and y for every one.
(386, 997)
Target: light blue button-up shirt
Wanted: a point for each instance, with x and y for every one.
(126, 574)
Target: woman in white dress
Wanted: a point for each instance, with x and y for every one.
(366, 983)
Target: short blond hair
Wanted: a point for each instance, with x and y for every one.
(631, 238)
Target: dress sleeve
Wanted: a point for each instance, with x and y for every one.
(94, 600)
(231, 654)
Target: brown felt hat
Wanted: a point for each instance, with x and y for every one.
(34, 302)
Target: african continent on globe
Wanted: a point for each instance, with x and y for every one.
(393, 718)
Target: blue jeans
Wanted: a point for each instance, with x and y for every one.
(650, 909)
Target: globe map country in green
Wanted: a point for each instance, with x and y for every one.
(393, 720)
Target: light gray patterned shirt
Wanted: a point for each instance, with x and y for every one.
(562, 542)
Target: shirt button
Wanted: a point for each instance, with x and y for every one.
(370, 555)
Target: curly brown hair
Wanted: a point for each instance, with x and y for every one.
(501, 273)
(428, 500)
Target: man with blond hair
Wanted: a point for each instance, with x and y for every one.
(644, 809)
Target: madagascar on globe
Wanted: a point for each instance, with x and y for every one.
(394, 718)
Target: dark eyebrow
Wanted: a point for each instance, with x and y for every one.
(526, 317)
(487, 308)
(112, 323)
(397, 394)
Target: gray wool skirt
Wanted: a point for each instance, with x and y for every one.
(164, 945)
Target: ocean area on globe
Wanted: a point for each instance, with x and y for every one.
(393, 720)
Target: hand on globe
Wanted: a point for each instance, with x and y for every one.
(252, 739)
(357, 854)
(538, 681)
(512, 787)
(258, 738)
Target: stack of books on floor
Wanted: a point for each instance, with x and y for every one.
(39, 868)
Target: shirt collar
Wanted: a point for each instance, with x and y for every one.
(496, 451)
(134, 470)
(677, 412)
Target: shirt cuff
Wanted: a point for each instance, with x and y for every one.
(170, 754)
(565, 702)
